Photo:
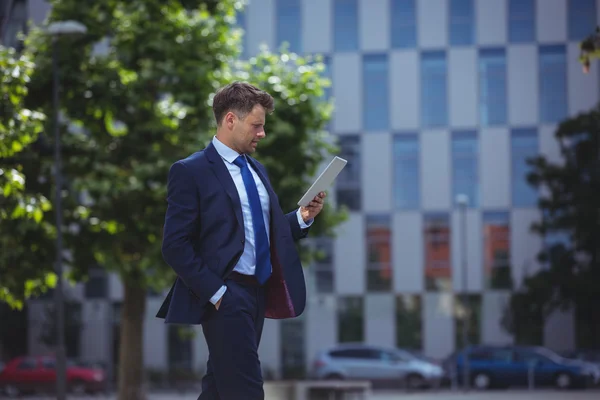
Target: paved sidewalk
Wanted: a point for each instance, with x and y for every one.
(493, 395)
(398, 395)
(448, 395)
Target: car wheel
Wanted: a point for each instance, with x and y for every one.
(563, 380)
(414, 381)
(482, 381)
(11, 391)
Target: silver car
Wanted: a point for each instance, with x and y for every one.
(376, 364)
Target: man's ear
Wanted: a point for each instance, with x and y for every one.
(230, 119)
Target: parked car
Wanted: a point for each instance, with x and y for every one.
(590, 356)
(375, 364)
(585, 355)
(37, 374)
(503, 366)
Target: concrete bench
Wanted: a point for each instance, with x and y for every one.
(332, 390)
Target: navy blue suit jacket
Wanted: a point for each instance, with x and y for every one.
(203, 239)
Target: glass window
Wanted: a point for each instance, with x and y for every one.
(379, 253)
(358, 353)
(48, 363)
(16, 24)
(465, 166)
(115, 326)
(293, 357)
(327, 74)
(72, 326)
(403, 24)
(524, 145)
(496, 250)
(462, 22)
(345, 25)
(472, 313)
(289, 24)
(521, 21)
(491, 354)
(582, 18)
(409, 322)
(180, 349)
(323, 265)
(434, 89)
(350, 319)
(117, 311)
(375, 88)
(406, 171)
(524, 356)
(241, 24)
(97, 285)
(28, 363)
(553, 83)
(348, 191)
(492, 87)
(556, 241)
(438, 271)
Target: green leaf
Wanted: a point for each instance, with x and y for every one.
(114, 128)
(7, 190)
(18, 212)
(111, 227)
(38, 215)
(51, 280)
(16, 147)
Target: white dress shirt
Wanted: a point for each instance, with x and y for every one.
(247, 262)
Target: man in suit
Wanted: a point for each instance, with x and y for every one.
(231, 246)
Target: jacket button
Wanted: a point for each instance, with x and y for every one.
(242, 241)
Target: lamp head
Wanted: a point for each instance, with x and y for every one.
(462, 200)
(60, 28)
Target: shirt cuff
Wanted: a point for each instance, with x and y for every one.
(217, 296)
(303, 225)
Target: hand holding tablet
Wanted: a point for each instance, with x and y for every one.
(323, 181)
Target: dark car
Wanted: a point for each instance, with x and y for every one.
(591, 356)
(38, 374)
(504, 366)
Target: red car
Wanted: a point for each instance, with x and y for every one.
(37, 374)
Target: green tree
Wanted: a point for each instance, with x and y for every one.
(589, 49)
(571, 279)
(297, 142)
(142, 104)
(25, 233)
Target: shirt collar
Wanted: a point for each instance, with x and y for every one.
(227, 153)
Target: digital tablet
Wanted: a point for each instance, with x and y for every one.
(324, 180)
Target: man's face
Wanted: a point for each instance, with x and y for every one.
(247, 132)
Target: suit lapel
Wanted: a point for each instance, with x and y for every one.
(223, 175)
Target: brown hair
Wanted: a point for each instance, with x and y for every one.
(240, 98)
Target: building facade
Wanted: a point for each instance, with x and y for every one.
(433, 99)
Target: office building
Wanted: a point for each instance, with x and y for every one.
(433, 98)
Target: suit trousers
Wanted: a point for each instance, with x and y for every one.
(233, 334)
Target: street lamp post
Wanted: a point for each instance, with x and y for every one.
(57, 29)
(463, 200)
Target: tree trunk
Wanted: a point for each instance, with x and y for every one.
(131, 355)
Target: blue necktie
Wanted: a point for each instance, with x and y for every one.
(261, 242)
